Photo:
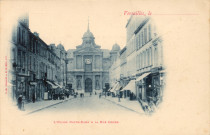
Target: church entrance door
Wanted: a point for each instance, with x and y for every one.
(88, 85)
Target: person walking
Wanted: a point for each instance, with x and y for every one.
(33, 98)
(20, 102)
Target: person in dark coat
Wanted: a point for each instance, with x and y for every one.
(33, 98)
(20, 101)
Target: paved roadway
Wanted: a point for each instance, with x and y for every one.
(87, 106)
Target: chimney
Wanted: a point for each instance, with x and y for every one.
(36, 34)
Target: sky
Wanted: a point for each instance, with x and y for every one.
(66, 23)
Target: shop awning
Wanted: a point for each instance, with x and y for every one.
(66, 90)
(58, 85)
(142, 76)
(115, 86)
(162, 71)
(53, 86)
(118, 87)
(130, 86)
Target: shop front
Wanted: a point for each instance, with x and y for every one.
(158, 83)
(51, 90)
(143, 85)
(130, 90)
(22, 87)
(32, 91)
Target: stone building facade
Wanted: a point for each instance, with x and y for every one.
(88, 66)
(34, 63)
(140, 67)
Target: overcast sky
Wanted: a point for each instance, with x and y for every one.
(67, 22)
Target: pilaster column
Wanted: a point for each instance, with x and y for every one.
(94, 82)
(93, 62)
(101, 63)
(101, 81)
(75, 61)
(82, 63)
(82, 81)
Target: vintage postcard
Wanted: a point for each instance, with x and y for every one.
(104, 67)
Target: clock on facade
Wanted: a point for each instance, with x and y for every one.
(88, 61)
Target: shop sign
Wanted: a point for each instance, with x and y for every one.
(33, 83)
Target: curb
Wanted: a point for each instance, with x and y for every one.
(123, 106)
(48, 106)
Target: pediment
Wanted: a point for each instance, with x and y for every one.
(88, 49)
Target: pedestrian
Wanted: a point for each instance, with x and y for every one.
(118, 97)
(33, 98)
(20, 102)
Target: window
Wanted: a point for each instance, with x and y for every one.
(145, 35)
(139, 61)
(151, 56)
(150, 37)
(34, 64)
(146, 53)
(145, 57)
(24, 59)
(139, 40)
(148, 58)
(23, 32)
(156, 56)
(30, 63)
(142, 59)
(19, 58)
(137, 46)
(19, 35)
(33, 47)
(142, 38)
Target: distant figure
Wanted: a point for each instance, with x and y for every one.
(33, 98)
(20, 102)
(100, 95)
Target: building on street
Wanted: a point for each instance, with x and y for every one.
(36, 68)
(88, 65)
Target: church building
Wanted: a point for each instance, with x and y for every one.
(88, 65)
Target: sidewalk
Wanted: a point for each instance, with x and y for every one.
(39, 105)
(125, 102)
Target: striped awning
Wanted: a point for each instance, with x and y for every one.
(130, 86)
(115, 86)
(58, 85)
(142, 76)
(53, 86)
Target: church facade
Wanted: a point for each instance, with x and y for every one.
(88, 65)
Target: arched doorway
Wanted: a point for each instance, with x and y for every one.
(88, 85)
